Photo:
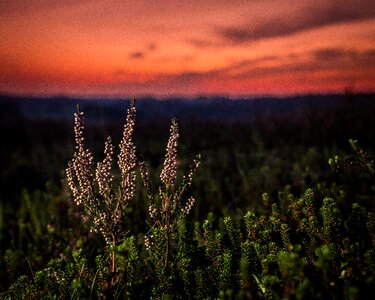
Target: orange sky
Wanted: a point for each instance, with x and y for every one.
(165, 48)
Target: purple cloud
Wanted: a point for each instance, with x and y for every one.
(313, 15)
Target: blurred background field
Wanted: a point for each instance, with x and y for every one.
(248, 147)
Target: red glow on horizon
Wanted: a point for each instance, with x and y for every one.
(161, 48)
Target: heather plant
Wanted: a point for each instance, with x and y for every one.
(103, 203)
(105, 206)
(166, 208)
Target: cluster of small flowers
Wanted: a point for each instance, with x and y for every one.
(127, 160)
(152, 211)
(188, 178)
(116, 216)
(78, 130)
(103, 170)
(189, 205)
(102, 224)
(81, 165)
(169, 172)
(144, 174)
(148, 242)
(161, 193)
(69, 174)
(58, 276)
(128, 185)
(99, 219)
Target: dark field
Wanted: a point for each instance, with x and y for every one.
(281, 147)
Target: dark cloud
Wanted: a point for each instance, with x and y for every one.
(370, 54)
(137, 55)
(334, 54)
(141, 54)
(317, 60)
(200, 43)
(243, 68)
(293, 65)
(313, 15)
(338, 55)
(261, 71)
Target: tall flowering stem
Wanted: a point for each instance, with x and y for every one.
(79, 171)
(168, 211)
(104, 176)
(169, 173)
(127, 162)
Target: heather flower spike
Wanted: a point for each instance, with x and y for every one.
(103, 170)
(127, 160)
(169, 173)
(80, 167)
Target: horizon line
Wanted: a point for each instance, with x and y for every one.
(181, 96)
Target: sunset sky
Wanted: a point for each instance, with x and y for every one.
(188, 48)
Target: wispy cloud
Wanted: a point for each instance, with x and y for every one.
(338, 55)
(312, 15)
(319, 60)
(329, 54)
(203, 43)
(141, 54)
(137, 55)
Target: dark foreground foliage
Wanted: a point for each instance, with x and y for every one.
(311, 237)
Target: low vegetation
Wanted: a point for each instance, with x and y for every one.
(111, 233)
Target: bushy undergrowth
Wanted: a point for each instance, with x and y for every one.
(315, 244)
